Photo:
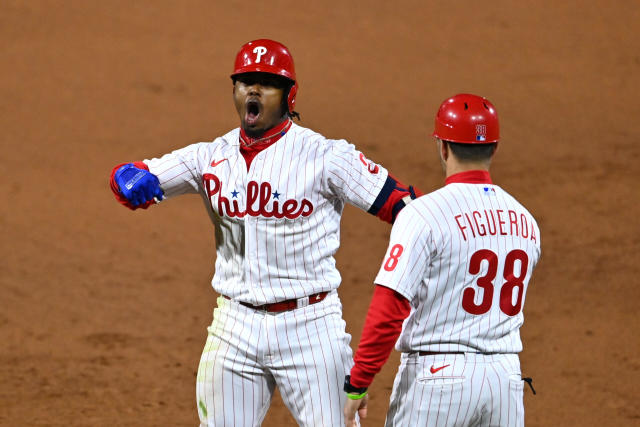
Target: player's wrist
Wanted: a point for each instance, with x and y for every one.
(352, 391)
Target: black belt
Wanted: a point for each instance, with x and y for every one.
(286, 305)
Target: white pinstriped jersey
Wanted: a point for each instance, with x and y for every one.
(463, 256)
(277, 225)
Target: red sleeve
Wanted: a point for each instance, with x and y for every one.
(382, 328)
(391, 199)
(116, 190)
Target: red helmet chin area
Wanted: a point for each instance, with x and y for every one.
(467, 119)
(267, 56)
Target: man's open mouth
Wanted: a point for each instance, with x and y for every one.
(252, 112)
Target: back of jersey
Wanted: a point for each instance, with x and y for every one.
(463, 255)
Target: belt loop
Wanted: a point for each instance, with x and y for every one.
(302, 302)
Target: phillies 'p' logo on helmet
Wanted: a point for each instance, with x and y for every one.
(467, 119)
(268, 56)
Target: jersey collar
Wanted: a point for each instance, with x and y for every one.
(469, 177)
(268, 138)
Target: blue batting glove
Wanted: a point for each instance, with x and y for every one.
(138, 186)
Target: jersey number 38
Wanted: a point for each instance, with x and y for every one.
(507, 306)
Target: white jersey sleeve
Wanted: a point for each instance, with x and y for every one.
(408, 254)
(352, 177)
(180, 172)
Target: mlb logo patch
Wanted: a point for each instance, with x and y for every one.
(481, 132)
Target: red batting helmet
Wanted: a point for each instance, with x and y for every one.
(267, 56)
(467, 119)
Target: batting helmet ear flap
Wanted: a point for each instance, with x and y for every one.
(291, 98)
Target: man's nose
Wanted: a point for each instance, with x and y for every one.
(254, 89)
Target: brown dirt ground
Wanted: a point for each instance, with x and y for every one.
(103, 311)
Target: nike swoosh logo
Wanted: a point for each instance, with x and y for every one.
(434, 370)
(214, 163)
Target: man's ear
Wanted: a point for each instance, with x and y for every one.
(444, 150)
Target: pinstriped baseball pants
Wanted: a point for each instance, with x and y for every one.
(464, 390)
(304, 352)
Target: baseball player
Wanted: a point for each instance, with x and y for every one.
(452, 287)
(275, 192)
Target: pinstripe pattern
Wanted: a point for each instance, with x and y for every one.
(277, 228)
(439, 234)
(296, 255)
(474, 390)
(304, 352)
(433, 271)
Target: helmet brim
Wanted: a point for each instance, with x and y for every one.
(264, 69)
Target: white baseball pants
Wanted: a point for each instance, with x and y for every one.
(457, 390)
(304, 352)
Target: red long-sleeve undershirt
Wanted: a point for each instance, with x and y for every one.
(382, 327)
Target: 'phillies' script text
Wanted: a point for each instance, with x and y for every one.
(256, 193)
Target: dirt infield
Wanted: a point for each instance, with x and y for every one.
(103, 312)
